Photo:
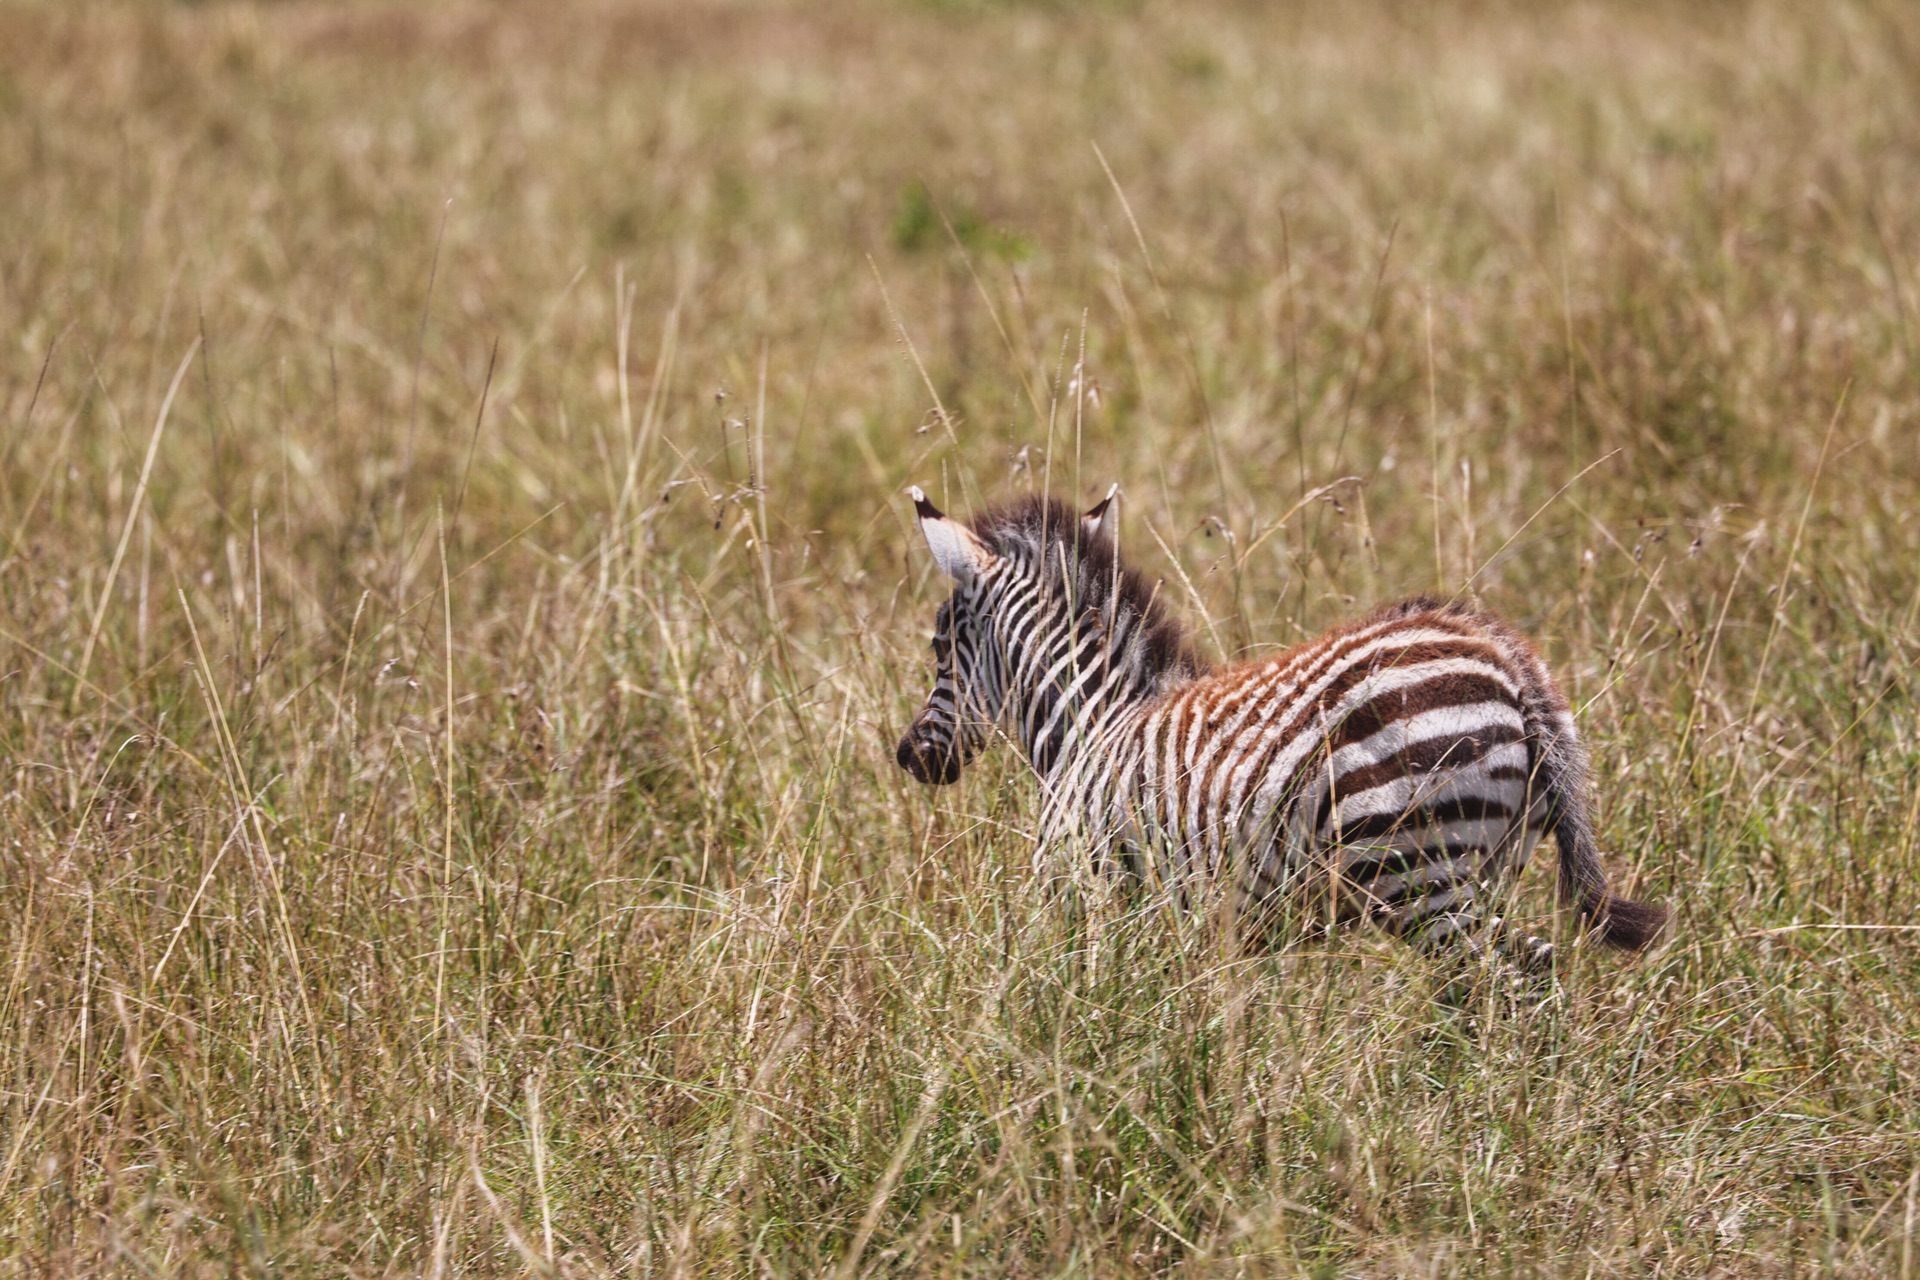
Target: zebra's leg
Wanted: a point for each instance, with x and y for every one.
(1455, 918)
(1530, 953)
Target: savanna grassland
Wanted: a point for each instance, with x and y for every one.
(457, 605)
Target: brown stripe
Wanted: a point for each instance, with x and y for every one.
(1383, 862)
(1374, 863)
(1425, 756)
(1452, 689)
(1379, 826)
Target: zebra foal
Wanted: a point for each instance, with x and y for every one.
(1397, 769)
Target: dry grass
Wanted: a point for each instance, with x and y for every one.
(449, 821)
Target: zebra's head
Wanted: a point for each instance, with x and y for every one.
(970, 685)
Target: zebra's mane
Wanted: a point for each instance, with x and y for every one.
(1037, 528)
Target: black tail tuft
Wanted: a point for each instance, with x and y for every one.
(1624, 923)
(1562, 763)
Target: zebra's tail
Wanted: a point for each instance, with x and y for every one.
(1619, 922)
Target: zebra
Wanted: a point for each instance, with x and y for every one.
(1398, 769)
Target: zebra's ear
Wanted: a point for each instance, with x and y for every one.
(959, 554)
(1096, 519)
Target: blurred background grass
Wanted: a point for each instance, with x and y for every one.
(458, 607)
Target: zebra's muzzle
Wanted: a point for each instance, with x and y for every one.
(929, 761)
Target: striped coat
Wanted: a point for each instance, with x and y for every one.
(1398, 769)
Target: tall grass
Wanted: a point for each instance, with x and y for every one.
(458, 607)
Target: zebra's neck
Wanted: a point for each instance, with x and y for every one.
(1074, 675)
(1080, 639)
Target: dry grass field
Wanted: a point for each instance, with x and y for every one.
(457, 604)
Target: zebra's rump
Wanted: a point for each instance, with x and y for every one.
(1390, 765)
